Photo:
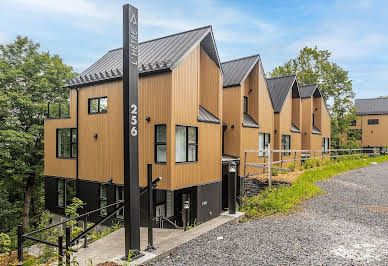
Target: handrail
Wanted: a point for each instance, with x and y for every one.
(171, 222)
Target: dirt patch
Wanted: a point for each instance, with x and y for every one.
(289, 177)
(377, 209)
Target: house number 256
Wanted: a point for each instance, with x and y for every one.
(134, 120)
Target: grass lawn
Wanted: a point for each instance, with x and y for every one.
(284, 199)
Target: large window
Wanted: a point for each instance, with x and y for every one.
(120, 197)
(353, 123)
(373, 121)
(186, 144)
(264, 140)
(98, 105)
(245, 104)
(67, 143)
(103, 199)
(286, 144)
(160, 143)
(325, 145)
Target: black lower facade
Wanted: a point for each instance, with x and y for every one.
(205, 201)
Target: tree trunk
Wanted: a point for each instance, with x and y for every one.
(27, 200)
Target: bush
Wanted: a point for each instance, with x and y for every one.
(5, 243)
(292, 166)
(275, 172)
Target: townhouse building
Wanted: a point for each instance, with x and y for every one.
(371, 126)
(180, 131)
(316, 121)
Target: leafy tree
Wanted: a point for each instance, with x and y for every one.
(312, 66)
(29, 79)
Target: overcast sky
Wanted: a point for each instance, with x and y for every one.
(81, 31)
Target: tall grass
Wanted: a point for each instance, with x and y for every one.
(286, 198)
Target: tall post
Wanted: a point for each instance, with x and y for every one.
(67, 243)
(60, 250)
(269, 165)
(232, 188)
(20, 243)
(130, 117)
(150, 246)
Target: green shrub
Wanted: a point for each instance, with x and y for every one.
(292, 166)
(275, 172)
(5, 243)
(286, 198)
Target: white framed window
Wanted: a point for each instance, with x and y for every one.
(264, 142)
(286, 144)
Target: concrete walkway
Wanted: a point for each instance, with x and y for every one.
(111, 247)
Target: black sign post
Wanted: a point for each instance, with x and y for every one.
(130, 116)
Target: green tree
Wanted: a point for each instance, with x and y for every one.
(29, 79)
(313, 66)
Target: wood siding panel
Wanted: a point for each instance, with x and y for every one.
(306, 123)
(232, 115)
(374, 135)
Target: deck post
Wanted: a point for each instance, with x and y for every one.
(60, 250)
(20, 243)
(130, 124)
(67, 241)
(269, 165)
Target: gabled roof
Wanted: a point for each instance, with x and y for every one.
(279, 88)
(308, 91)
(294, 128)
(316, 130)
(374, 106)
(235, 71)
(158, 55)
(207, 117)
(248, 121)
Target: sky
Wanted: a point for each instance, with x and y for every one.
(81, 31)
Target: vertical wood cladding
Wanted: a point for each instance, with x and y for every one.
(232, 116)
(170, 98)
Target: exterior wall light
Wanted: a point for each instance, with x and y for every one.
(232, 126)
(148, 119)
(95, 136)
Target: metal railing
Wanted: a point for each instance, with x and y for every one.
(65, 249)
(165, 219)
(58, 110)
(287, 156)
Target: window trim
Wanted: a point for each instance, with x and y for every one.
(289, 143)
(269, 142)
(188, 144)
(103, 212)
(72, 156)
(98, 105)
(156, 144)
(373, 121)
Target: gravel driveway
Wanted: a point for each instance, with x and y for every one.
(334, 228)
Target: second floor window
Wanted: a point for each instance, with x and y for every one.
(286, 144)
(160, 143)
(353, 123)
(373, 121)
(264, 140)
(313, 119)
(186, 144)
(98, 105)
(245, 104)
(67, 143)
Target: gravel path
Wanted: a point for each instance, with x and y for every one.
(332, 229)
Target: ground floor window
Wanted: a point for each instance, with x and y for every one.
(325, 145)
(264, 142)
(169, 204)
(120, 197)
(61, 193)
(286, 144)
(65, 192)
(103, 199)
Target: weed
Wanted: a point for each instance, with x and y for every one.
(292, 166)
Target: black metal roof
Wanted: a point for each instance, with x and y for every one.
(316, 130)
(248, 121)
(207, 117)
(162, 54)
(307, 91)
(235, 71)
(294, 128)
(374, 106)
(279, 88)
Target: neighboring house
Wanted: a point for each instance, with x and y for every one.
(180, 127)
(371, 123)
(316, 122)
(285, 96)
(247, 111)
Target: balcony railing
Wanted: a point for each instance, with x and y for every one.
(58, 110)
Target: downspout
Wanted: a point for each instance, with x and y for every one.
(77, 160)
